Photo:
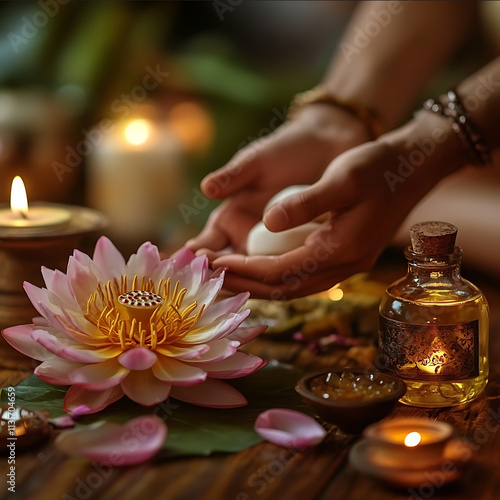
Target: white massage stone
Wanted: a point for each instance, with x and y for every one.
(261, 241)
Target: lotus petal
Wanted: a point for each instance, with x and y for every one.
(245, 334)
(232, 304)
(80, 401)
(218, 350)
(19, 337)
(144, 388)
(110, 443)
(138, 358)
(238, 365)
(107, 258)
(38, 296)
(68, 349)
(289, 428)
(213, 393)
(216, 331)
(83, 280)
(192, 352)
(182, 258)
(57, 282)
(56, 371)
(99, 376)
(177, 373)
(145, 261)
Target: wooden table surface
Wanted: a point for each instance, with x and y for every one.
(266, 471)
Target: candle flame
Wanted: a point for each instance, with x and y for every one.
(335, 293)
(412, 439)
(18, 198)
(137, 132)
(437, 357)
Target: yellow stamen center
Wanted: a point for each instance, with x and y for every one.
(148, 315)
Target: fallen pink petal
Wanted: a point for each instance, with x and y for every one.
(289, 428)
(118, 445)
(62, 422)
(145, 328)
(80, 410)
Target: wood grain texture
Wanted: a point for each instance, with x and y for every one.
(266, 472)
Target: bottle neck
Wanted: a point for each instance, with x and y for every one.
(434, 266)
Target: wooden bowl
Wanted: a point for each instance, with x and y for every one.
(351, 416)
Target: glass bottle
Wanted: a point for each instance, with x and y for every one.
(434, 324)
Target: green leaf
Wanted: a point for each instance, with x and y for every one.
(192, 430)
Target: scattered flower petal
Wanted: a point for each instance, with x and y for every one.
(111, 443)
(79, 411)
(62, 422)
(289, 428)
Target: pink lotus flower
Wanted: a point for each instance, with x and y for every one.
(146, 328)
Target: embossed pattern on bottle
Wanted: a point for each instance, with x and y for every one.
(436, 353)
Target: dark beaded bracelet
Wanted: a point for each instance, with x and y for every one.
(450, 106)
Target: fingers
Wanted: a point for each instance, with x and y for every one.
(319, 247)
(293, 288)
(335, 191)
(328, 256)
(301, 207)
(210, 238)
(227, 226)
(239, 173)
(269, 269)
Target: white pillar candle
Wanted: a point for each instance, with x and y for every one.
(135, 178)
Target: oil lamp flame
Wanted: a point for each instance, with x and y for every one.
(412, 439)
(137, 132)
(18, 198)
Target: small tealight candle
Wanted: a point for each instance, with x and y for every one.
(407, 452)
(38, 218)
(32, 237)
(418, 440)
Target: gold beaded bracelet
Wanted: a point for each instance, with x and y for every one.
(320, 95)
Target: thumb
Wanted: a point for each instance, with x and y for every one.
(240, 172)
(299, 208)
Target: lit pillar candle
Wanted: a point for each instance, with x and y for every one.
(136, 178)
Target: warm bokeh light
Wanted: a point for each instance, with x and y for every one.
(137, 132)
(412, 439)
(193, 125)
(18, 198)
(335, 293)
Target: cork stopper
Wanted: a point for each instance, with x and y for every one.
(433, 238)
